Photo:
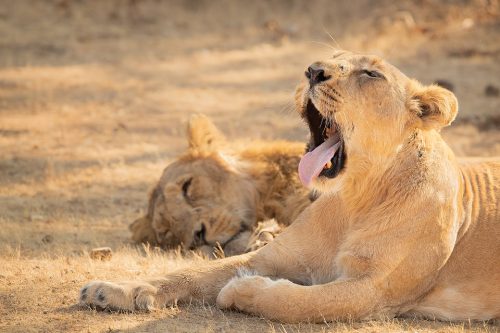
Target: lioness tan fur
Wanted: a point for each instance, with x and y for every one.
(403, 229)
(216, 192)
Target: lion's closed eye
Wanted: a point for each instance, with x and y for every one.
(185, 188)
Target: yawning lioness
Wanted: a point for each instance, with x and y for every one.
(401, 227)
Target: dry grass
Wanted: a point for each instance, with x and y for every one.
(40, 293)
(93, 102)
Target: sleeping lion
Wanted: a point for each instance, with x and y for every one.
(401, 227)
(221, 194)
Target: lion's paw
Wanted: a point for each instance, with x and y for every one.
(265, 232)
(127, 296)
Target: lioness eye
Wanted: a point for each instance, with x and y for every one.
(185, 187)
(373, 74)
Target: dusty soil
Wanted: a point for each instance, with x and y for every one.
(94, 97)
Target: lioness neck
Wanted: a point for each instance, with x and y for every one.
(414, 164)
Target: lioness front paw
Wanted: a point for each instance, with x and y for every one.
(243, 293)
(127, 296)
(261, 296)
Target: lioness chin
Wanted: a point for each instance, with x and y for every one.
(401, 226)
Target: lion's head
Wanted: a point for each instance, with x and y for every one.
(201, 199)
(359, 110)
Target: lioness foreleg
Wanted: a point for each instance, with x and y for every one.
(203, 283)
(288, 302)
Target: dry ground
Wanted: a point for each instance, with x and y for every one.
(94, 96)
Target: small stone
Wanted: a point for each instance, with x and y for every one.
(101, 253)
(47, 239)
(491, 91)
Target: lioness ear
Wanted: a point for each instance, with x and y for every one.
(203, 135)
(436, 107)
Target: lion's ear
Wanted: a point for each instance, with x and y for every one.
(203, 135)
(142, 231)
(435, 106)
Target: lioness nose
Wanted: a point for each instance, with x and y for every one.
(316, 74)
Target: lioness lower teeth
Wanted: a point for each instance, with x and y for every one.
(328, 165)
(329, 131)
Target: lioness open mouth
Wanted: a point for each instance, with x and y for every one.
(326, 153)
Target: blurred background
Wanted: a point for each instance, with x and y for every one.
(94, 95)
(94, 99)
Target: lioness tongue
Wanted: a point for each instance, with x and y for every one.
(314, 161)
